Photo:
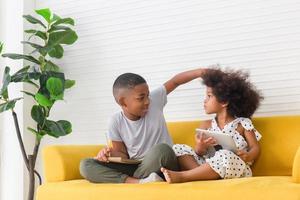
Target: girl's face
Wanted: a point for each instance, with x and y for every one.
(211, 104)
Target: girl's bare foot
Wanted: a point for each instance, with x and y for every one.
(171, 176)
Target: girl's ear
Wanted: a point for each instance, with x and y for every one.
(225, 104)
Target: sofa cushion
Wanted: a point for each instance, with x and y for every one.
(257, 188)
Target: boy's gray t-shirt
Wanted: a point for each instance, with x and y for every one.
(139, 136)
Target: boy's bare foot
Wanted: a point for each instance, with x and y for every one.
(171, 176)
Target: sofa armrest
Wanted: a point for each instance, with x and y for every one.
(296, 167)
(61, 162)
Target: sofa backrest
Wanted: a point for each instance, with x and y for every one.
(279, 143)
(281, 138)
(61, 162)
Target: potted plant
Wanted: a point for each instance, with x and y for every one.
(47, 78)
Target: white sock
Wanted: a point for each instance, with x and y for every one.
(153, 177)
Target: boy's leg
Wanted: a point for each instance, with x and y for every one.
(161, 155)
(101, 172)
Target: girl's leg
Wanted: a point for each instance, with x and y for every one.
(187, 162)
(202, 172)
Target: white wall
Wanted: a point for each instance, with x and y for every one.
(158, 39)
(11, 170)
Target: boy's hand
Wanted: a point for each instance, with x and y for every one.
(103, 154)
(244, 155)
(182, 78)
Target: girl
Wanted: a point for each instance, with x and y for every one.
(233, 99)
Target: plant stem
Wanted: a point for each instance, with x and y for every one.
(24, 155)
(31, 177)
(20, 139)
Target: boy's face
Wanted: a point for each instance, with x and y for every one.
(211, 103)
(135, 102)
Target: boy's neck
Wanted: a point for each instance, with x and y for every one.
(131, 117)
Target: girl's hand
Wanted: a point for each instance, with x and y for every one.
(202, 143)
(103, 154)
(244, 155)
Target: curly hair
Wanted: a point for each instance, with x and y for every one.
(234, 88)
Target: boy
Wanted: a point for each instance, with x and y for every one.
(139, 131)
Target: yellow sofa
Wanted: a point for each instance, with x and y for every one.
(276, 172)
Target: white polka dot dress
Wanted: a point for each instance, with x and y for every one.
(226, 163)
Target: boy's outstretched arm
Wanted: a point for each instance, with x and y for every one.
(182, 78)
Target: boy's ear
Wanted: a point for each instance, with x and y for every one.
(121, 101)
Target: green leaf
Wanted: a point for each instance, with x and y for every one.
(55, 129)
(50, 66)
(24, 76)
(55, 87)
(30, 31)
(37, 114)
(4, 94)
(40, 34)
(44, 78)
(44, 52)
(32, 130)
(8, 105)
(15, 56)
(69, 83)
(55, 17)
(42, 100)
(1, 47)
(28, 93)
(46, 111)
(32, 83)
(58, 28)
(39, 135)
(45, 13)
(53, 51)
(33, 20)
(64, 21)
(62, 37)
(56, 52)
(36, 46)
(24, 69)
(6, 80)
(67, 126)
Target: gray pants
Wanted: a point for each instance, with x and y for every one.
(160, 155)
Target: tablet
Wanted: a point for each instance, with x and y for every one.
(224, 140)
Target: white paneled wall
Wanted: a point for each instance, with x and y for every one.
(158, 39)
(11, 163)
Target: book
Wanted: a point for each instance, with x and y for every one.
(123, 160)
(224, 140)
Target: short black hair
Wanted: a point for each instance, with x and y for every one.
(127, 81)
(234, 88)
